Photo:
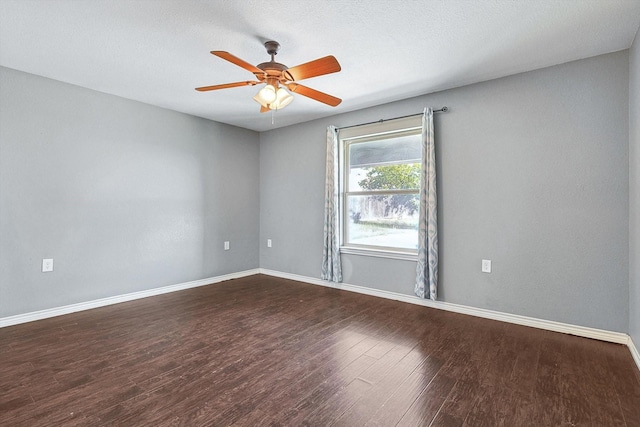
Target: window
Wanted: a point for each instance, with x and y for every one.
(380, 180)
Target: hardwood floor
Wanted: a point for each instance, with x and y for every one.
(268, 351)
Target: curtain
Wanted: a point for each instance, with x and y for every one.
(331, 264)
(427, 269)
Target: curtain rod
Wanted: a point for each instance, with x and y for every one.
(441, 110)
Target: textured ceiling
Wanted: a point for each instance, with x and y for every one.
(157, 51)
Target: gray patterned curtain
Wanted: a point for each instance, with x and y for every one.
(331, 264)
(427, 270)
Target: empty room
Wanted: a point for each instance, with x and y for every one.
(323, 213)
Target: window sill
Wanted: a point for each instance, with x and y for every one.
(406, 256)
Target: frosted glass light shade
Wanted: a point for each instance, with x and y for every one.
(283, 98)
(267, 94)
(260, 101)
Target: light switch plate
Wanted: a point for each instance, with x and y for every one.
(268, 243)
(226, 246)
(486, 266)
(47, 265)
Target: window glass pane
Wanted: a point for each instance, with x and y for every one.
(386, 221)
(385, 177)
(387, 164)
(398, 149)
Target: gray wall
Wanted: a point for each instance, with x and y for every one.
(634, 191)
(124, 196)
(533, 174)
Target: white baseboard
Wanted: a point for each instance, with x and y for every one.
(581, 331)
(72, 308)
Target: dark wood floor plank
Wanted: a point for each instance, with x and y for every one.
(458, 403)
(427, 405)
(353, 342)
(363, 409)
(620, 370)
(337, 404)
(399, 402)
(325, 390)
(489, 408)
(249, 391)
(268, 351)
(290, 384)
(578, 385)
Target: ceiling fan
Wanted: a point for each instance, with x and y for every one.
(278, 76)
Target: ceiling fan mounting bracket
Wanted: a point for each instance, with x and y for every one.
(272, 47)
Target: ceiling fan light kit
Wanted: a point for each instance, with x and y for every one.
(273, 99)
(274, 96)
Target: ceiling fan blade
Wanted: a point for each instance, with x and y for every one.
(314, 94)
(239, 62)
(319, 67)
(225, 86)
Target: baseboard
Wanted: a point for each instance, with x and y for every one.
(72, 308)
(581, 331)
(634, 352)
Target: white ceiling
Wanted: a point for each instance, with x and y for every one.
(157, 51)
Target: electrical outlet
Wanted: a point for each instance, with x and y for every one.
(268, 243)
(47, 265)
(486, 266)
(226, 245)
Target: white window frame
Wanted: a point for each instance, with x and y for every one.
(376, 131)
